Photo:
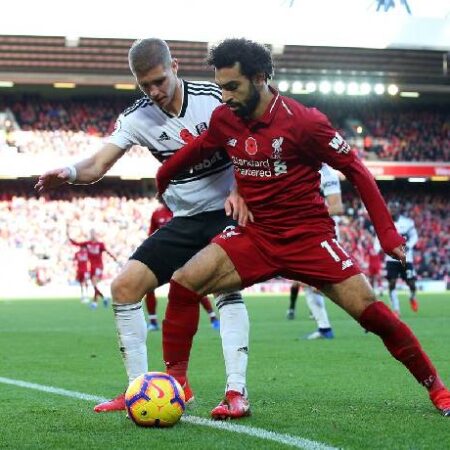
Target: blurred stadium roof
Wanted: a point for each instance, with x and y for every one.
(390, 41)
(342, 23)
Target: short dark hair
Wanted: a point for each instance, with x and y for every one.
(253, 57)
(146, 54)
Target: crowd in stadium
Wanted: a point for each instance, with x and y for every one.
(39, 226)
(76, 127)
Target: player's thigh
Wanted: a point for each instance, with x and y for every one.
(133, 282)
(353, 295)
(172, 246)
(210, 270)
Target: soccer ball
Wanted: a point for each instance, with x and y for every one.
(155, 399)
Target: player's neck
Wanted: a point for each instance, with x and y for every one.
(266, 98)
(174, 107)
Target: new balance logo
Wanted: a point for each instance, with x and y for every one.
(346, 264)
(163, 137)
(232, 142)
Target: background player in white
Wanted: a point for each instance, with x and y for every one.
(331, 190)
(171, 112)
(405, 227)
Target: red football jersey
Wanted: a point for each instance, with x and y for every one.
(82, 257)
(374, 258)
(159, 218)
(277, 158)
(95, 251)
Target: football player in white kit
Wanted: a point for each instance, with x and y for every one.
(331, 190)
(405, 226)
(171, 112)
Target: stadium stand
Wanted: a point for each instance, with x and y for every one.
(383, 132)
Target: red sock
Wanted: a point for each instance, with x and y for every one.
(150, 302)
(401, 343)
(179, 327)
(206, 304)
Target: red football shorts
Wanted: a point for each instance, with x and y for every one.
(374, 270)
(96, 272)
(310, 257)
(82, 276)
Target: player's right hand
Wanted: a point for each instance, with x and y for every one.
(399, 254)
(52, 179)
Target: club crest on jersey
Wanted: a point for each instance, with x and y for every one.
(251, 146)
(201, 127)
(276, 145)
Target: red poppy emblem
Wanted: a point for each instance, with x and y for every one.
(186, 136)
(251, 146)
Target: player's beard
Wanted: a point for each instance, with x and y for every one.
(246, 108)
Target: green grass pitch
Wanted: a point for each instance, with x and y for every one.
(346, 393)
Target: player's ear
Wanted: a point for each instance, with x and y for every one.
(259, 79)
(174, 65)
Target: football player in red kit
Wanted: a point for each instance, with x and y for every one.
(95, 249)
(81, 259)
(277, 146)
(374, 258)
(160, 217)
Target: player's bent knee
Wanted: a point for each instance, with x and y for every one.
(181, 276)
(123, 292)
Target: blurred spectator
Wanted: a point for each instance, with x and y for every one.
(39, 226)
(377, 131)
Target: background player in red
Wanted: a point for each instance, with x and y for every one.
(81, 259)
(374, 258)
(95, 249)
(277, 146)
(160, 217)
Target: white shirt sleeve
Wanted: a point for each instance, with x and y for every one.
(329, 181)
(412, 236)
(123, 136)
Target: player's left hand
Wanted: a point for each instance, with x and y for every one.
(399, 254)
(236, 206)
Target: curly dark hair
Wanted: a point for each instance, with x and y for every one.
(253, 57)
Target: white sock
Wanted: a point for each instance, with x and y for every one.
(394, 300)
(234, 331)
(132, 333)
(316, 303)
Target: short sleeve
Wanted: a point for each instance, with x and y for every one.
(122, 135)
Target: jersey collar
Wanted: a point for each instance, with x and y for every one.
(184, 103)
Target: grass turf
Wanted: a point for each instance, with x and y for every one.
(348, 392)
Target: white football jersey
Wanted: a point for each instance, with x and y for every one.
(206, 185)
(330, 184)
(406, 228)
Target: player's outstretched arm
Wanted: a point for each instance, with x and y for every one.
(192, 153)
(391, 242)
(335, 205)
(87, 171)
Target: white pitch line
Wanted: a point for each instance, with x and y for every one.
(260, 433)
